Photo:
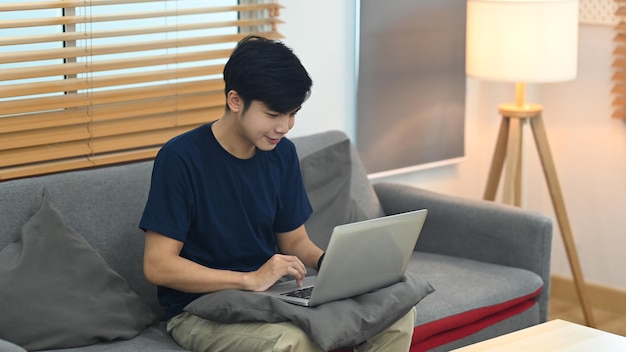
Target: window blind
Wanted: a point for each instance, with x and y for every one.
(619, 62)
(85, 83)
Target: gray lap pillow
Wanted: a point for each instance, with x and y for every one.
(6, 346)
(332, 325)
(58, 292)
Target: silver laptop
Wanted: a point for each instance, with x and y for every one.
(361, 257)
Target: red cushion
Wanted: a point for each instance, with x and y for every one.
(452, 328)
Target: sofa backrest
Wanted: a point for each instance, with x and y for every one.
(105, 204)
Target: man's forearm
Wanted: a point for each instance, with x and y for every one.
(187, 276)
(164, 266)
(299, 244)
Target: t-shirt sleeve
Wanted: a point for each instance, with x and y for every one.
(295, 208)
(169, 208)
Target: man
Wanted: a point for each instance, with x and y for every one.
(225, 196)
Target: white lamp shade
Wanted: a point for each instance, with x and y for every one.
(522, 40)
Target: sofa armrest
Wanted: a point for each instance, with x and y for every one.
(476, 229)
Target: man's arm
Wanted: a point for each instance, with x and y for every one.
(298, 243)
(164, 266)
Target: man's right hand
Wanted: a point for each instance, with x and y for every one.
(276, 267)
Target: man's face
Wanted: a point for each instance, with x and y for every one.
(263, 127)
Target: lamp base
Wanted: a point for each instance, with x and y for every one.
(520, 111)
(508, 146)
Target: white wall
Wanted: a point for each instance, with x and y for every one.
(322, 34)
(588, 146)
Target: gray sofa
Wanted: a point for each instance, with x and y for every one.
(489, 263)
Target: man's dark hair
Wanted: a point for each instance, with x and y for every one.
(268, 71)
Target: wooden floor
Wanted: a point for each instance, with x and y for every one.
(605, 320)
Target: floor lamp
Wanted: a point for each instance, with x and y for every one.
(532, 41)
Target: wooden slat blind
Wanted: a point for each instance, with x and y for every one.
(619, 62)
(85, 83)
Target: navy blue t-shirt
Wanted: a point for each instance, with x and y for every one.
(224, 209)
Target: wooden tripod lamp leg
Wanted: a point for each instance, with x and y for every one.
(497, 162)
(511, 191)
(559, 207)
(517, 184)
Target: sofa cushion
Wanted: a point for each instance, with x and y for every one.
(361, 188)
(335, 324)
(469, 296)
(154, 338)
(66, 293)
(326, 174)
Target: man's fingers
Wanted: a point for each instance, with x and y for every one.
(297, 275)
(295, 268)
(275, 268)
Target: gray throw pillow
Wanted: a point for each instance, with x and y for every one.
(326, 175)
(58, 292)
(332, 325)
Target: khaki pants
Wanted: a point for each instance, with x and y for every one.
(201, 335)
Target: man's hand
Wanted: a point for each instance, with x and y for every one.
(276, 267)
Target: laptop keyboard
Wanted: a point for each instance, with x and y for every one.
(304, 293)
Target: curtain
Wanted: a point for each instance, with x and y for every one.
(85, 83)
(411, 84)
